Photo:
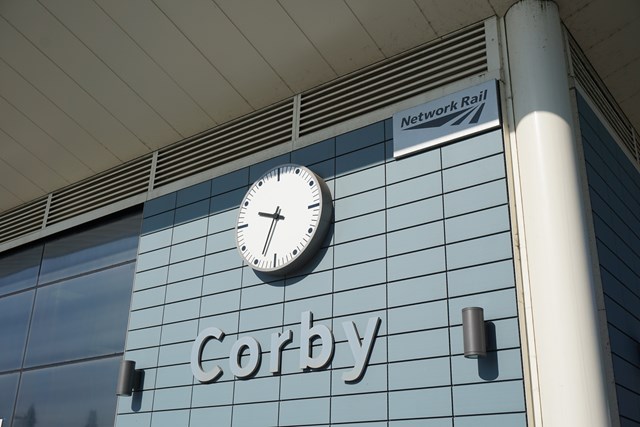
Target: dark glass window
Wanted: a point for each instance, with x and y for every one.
(82, 317)
(19, 270)
(79, 394)
(15, 311)
(8, 388)
(106, 244)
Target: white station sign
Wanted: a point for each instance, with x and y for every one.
(449, 118)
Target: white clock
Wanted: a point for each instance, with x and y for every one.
(283, 219)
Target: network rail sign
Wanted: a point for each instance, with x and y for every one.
(449, 118)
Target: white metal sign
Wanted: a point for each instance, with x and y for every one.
(446, 119)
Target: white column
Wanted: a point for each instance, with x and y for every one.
(564, 329)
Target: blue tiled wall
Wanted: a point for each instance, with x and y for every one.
(414, 241)
(614, 189)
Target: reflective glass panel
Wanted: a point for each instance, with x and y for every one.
(19, 270)
(82, 317)
(8, 388)
(90, 249)
(79, 394)
(15, 311)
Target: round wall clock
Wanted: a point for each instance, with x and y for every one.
(283, 219)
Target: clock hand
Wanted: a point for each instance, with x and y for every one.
(268, 215)
(272, 228)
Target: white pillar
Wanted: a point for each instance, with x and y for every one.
(564, 329)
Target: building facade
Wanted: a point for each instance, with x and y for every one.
(530, 214)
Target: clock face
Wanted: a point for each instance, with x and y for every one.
(283, 219)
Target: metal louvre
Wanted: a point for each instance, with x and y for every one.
(104, 189)
(452, 58)
(449, 59)
(22, 220)
(255, 132)
(588, 79)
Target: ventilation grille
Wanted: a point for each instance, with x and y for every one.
(22, 220)
(455, 57)
(433, 65)
(595, 89)
(231, 141)
(101, 190)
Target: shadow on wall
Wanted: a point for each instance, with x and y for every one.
(136, 396)
(488, 366)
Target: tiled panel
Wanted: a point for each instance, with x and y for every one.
(192, 212)
(324, 150)
(154, 241)
(308, 285)
(172, 398)
(141, 338)
(614, 189)
(361, 159)
(148, 298)
(484, 145)
(482, 278)
(359, 407)
(359, 138)
(303, 385)
(150, 278)
(174, 376)
(154, 259)
(473, 173)
(214, 394)
(375, 380)
(187, 250)
(225, 201)
(420, 373)
(417, 317)
(414, 213)
(475, 198)
(413, 241)
(414, 189)
(359, 204)
(359, 227)
(184, 290)
(488, 398)
(193, 194)
(415, 238)
(179, 332)
(255, 415)
(429, 402)
(257, 390)
(419, 164)
(499, 420)
(303, 412)
(418, 289)
(479, 251)
(416, 264)
(359, 275)
(360, 182)
(230, 181)
(360, 251)
(189, 231)
(359, 300)
(202, 417)
(159, 205)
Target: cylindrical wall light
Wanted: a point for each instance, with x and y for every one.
(126, 378)
(473, 331)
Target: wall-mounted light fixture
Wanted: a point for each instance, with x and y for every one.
(128, 378)
(473, 331)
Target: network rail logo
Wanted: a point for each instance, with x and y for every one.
(445, 119)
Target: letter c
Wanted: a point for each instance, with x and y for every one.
(196, 355)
